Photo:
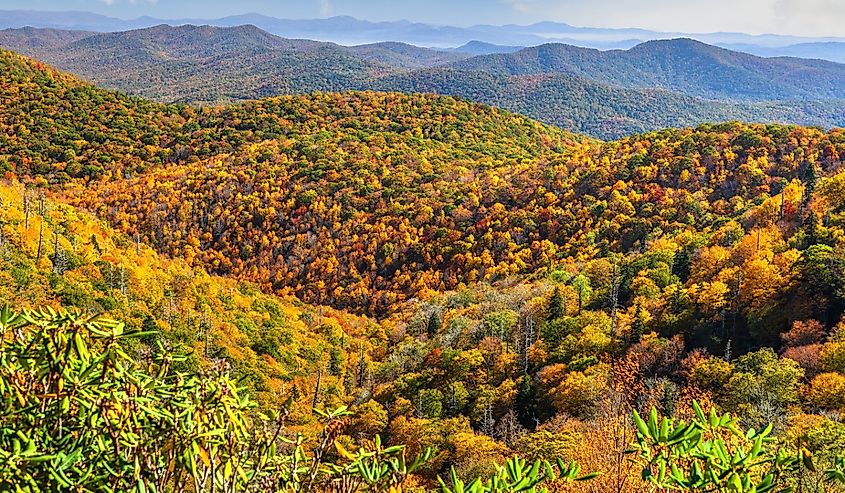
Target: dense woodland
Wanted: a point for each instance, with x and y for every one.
(470, 283)
(604, 94)
(682, 65)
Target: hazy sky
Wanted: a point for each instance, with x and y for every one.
(801, 17)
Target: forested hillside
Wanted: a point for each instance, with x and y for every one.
(682, 65)
(675, 83)
(204, 64)
(56, 256)
(599, 109)
(471, 281)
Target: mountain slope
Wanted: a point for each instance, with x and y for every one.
(208, 63)
(363, 200)
(575, 88)
(680, 65)
(40, 41)
(401, 55)
(269, 342)
(205, 64)
(590, 277)
(411, 136)
(351, 234)
(602, 110)
(481, 48)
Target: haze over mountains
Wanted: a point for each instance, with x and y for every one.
(606, 94)
(682, 65)
(350, 31)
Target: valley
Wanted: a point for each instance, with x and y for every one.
(232, 261)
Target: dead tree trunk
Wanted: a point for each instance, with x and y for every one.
(317, 389)
(614, 299)
(40, 240)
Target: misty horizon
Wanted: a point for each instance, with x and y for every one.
(753, 17)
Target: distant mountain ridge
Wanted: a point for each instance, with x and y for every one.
(476, 47)
(350, 31)
(681, 65)
(402, 55)
(606, 94)
(207, 64)
(833, 51)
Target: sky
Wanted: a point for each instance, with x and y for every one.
(797, 17)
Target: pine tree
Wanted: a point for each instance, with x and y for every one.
(434, 323)
(525, 404)
(557, 305)
(638, 325)
(335, 362)
(811, 230)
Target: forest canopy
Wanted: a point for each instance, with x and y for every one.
(468, 283)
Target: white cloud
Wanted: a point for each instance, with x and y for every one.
(325, 8)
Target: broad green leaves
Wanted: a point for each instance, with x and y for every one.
(77, 413)
(518, 476)
(712, 454)
(378, 467)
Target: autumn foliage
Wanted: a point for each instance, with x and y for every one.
(466, 280)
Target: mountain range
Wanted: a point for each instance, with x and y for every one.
(606, 94)
(681, 65)
(369, 201)
(349, 31)
(463, 281)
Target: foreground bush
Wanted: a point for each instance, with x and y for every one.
(77, 413)
(710, 453)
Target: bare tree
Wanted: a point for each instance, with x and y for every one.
(508, 430)
(316, 399)
(40, 240)
(615, 281)
(59, 256)
(26, 207)
(488, 424)
(524, 338)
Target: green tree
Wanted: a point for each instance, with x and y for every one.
(582, 287)
(557, 305)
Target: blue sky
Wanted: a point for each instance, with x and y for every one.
(800, 17)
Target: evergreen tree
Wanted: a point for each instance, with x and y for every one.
(434, 322)
(811, 229)
(557, 306)
(526, 410)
